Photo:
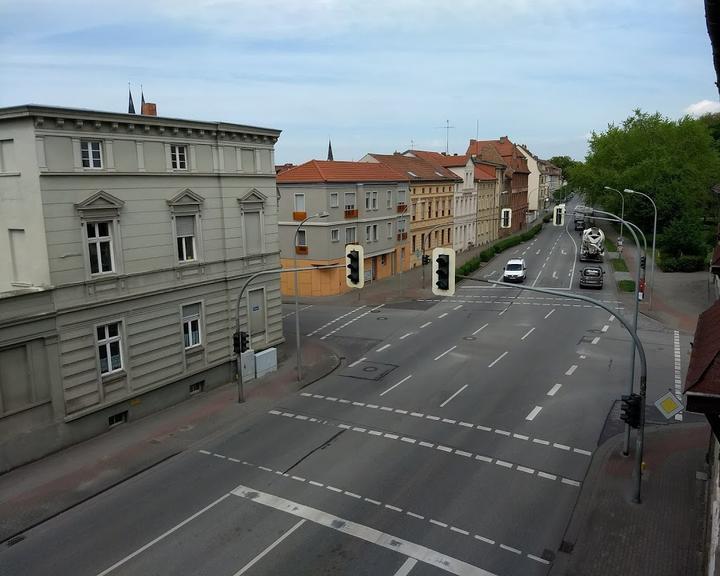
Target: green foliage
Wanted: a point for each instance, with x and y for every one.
(683, 236)
(547, 218)
(619, 265)
(626, 285)
(674, 162)
(682, 263)
(566, 164)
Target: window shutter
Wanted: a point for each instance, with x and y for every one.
(185, 225)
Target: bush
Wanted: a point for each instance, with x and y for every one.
(619, 265)
(486, 255)
(684, 263)
(547, 218)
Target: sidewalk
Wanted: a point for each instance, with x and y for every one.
(40, 490)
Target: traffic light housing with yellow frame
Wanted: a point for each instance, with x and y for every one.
(355, 265)
(443, 271)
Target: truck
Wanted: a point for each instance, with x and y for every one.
(580, 223)
(592, 246)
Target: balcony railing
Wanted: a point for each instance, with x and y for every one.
(351, 213)
(402, 236)
(401, 208)
(299, 216)
(301, 250)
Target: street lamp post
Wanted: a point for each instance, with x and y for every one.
(297, 305)
(652, 269)
(622, 208)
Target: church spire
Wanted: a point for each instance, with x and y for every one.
(330, 154)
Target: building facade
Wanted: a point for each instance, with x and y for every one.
(124, 241)
(538, 199)
(366, 203)
(433, 190)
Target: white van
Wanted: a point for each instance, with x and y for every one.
(514, 270)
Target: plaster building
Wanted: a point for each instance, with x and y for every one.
(124, 240)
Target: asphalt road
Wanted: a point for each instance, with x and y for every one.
(454, 439)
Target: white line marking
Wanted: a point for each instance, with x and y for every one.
(463, 453)
(581, 451)
(538, 559)
(356, 362)
(548, 314)
(373, 501)
(502, 432)
(561, 446)
(333, 489)
(395, 508)
(503, 463)
(268, 549)
(503, 311)
(571, 370)
(570, 482)
(204, 452)
(446, 351)
(479, 329)
(596, 340)
(162, 536)
(540, 441)
(426, 325)
(458, 307)
(426, 444)
(396, 385)
(298, 478)
(438, 523)
(572, 272)
(353, 495)
(526, 469)
(414, 515)
(443, 315)
(534, 412)
(528, 333)
(444, 448)
(498, 359)
(554, 390)
(315, 483)
(521, 437)
(391, 436)
(605, 328)
(383, 348)
(459, 530)
(482, 539)
(405, 336)
(510, 549)
(453, 396)
(483, 458)
(408, 565)
(548, 476)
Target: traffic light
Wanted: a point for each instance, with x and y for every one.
(236, 342)
(354, 261)
(643, 261)
(505, 218)
(559, 215)
(443, 268)
(425, 259)
(630, 409)
(244, 342)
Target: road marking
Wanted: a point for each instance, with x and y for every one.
(357, 362)
(362, 532)
(498, 359)
(571, 370)
(538, 252)
(510, 549)
(438, 523)
(396, 385)
(443, 315)
(534, 412)
(527, 333)
(503, 311)
(446, 351)
(373, 501)
(453, 396)
(335, 320)
(549, 313)
(554, 390)
(293, 312)
(459, 530)
(414, 515)
(383, 348)
(268, 549)
(458, 307)
(163, 536)
(479, 329)
(605, 328)
(487, 540)
(405, 335)
(426, 325)
(526, 469)
(554, 275)
(394, 508)
(538, 559)
(596, 340)
(408, 565)
(561, 446)
(538, 276)
(612, 319)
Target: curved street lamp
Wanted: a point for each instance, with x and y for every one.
(622, 208)
(652, 269)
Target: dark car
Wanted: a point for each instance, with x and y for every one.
(591, 277)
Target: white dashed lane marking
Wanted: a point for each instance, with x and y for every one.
(571, 370)
(396, 385)
(534, 412)
(548, 314)
(335, 320)
(385, 347)
(451, 397)
(446, 351)
(528, 333)
(497, 359)
(554, 390)
(357, 362)
(479, 329)
(393, 508)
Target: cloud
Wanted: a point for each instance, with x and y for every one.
(703, 107)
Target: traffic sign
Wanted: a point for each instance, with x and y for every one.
(669, 405)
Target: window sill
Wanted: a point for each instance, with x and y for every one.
(113, 376)
(196, 350)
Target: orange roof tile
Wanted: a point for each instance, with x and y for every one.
(417, 169)
(511, 156)
(703, 375)
(339, 171)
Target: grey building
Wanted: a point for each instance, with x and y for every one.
(366, 204)
(124, 240)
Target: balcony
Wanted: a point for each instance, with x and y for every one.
(303, 250)
(402, 236)
(401, 208)
(351, 213)
(299, 216)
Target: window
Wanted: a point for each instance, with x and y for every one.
(100, 247)
(389, 229)
(109, 348)
(185, 232)
(91, 153)
(301, 238)
(375, 233)
(414, 241)
(349, 200)
(299, 202)
(335, 235)
(442, 237)
(178, 157)
(429, 207)
(401, 226)
(374, 200)
(414, 208)
(334, 200)
(191, 325)
(389, 198)
(368, 233)
(350, 235)
(401, 197)
(505, 217)
(383, 260)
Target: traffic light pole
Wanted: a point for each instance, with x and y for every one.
(641, 352)
(238, 358)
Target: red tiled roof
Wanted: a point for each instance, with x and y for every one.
(703, 374)
(440, 159)
(337, 171)
(511, 156)
(484, 172)
(416, 169)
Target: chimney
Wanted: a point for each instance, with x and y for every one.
(503, 138)
(148, 109)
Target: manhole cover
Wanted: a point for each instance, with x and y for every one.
(368, 370)
(382, 317)
(469, 338)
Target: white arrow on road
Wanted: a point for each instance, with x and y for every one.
(563, 251)
(491, 274)
(555, 275)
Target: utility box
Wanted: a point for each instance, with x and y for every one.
(265, 362)
(247, 361)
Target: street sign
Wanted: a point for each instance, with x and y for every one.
(669, 405)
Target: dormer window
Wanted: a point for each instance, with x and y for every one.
(178, 157)
(91, 153)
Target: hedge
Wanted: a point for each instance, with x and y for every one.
(681, 263)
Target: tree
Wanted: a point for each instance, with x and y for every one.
(712, 21)
(674, 162)
(565, 163)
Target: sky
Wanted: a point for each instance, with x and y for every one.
(371, 75)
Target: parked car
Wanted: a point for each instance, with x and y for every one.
(514, 270)
(591, 277)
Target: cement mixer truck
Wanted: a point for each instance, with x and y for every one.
(591, 247)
